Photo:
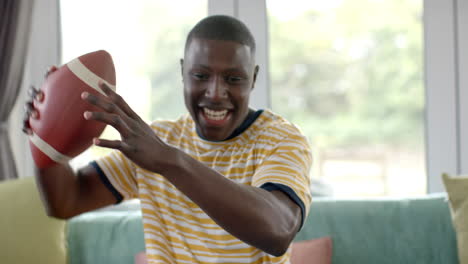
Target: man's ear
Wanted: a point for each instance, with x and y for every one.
(182, 68)
(257, 68)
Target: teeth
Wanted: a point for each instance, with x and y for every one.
(215, 115)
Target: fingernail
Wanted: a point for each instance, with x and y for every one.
(87, 115)
(39, 96)
(84, 95)
(34, 114)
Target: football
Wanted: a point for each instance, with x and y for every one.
(60, 131)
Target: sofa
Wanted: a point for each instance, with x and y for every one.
(373, 231)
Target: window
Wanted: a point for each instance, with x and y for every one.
(349, 73)
(146, 40)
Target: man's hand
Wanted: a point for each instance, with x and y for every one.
(29, 110)
(138, 141)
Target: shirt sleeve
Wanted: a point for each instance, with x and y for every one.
(120, 173)
(286, 168)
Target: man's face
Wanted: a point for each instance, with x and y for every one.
(218, 77)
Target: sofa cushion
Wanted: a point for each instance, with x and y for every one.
(27, 234)
(384, 230)
(457, 189)
(110, 235)
(314, 251)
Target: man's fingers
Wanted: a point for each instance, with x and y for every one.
(26, 126)
(101, 102)
(27, 131)
(35, 94)
(32, 91)
(113, 115)
(113, 120)
(30, 111)
(50, 70)
(28, 107)
(113, 144)
(117, 99)
(39, 96)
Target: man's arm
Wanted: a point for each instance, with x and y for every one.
(65, 194)
(266, 220)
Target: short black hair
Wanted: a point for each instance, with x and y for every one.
(221, 27)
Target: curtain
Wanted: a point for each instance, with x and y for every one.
(15, 24)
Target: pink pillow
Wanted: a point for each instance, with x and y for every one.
(315, 251)
(140, 258)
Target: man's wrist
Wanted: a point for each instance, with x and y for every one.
(171, 161)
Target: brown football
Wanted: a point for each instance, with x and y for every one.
(60, 132)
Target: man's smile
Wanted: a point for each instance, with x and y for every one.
(213, 117)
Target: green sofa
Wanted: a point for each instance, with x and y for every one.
(377, 231)
(367, 231)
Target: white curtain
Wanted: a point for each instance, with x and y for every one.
(15, 24)
(44, 51)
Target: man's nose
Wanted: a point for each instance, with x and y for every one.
(216, 90)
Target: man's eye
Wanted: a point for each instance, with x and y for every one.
(233, 79)
(200, 76)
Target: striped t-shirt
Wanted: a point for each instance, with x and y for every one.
(271, 154)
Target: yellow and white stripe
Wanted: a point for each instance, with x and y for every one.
(176, 229)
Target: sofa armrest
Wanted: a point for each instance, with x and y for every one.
(27, 234)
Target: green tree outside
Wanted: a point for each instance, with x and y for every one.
(353, 76)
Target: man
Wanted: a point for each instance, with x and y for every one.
(225, 184)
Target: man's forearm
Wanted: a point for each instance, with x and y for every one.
(65, 194)
(253, 215)
(57, 186)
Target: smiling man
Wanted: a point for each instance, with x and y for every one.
(219, 74)
(223, 184)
